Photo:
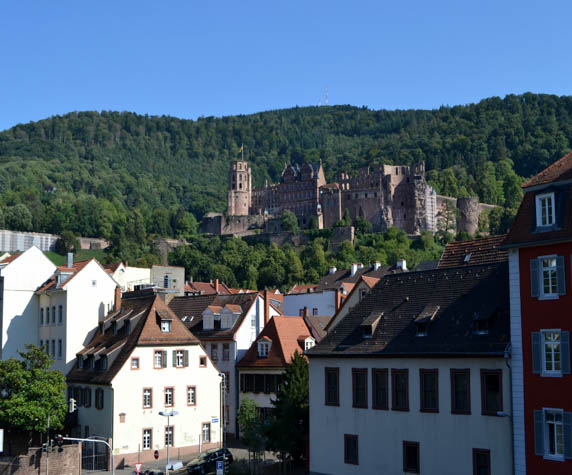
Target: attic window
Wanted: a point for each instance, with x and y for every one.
(545, 212)
(467, 258)
(425, 317)
(369, 325)
(114, 326)
(309, 343)
(166, 326)
(79, 361)
(263, 349)
(481, 327)
(421, 329)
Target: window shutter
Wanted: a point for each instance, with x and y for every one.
(186, 363)
(242, 383)
(539, 433)
(565, 351)
(561, 275)
(536, 353)
(174, 358)
(568, 435)
(534, 278)
(164, 359)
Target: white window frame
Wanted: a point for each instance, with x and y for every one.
(147, 396)
(135, 362)
(166, 326)
(158, 360)
(546, 372)
(552, 217)
(214, 352)
(169, 436)
(147, 439)
(169, 396)
(309, 343)
(206, 425)
(542, 294)
(191, 395)
(263, 349)
(559, 412)
(179, 358)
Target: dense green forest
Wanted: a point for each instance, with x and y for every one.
(128, 177)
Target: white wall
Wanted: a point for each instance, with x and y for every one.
(54, 331)
(324, 301)
(446, 440)
(128, 277)
(19, 305)
(261, 399)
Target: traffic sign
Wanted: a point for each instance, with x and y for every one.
(156, 454)
(214, 420)
(138, 466)
(219, 467)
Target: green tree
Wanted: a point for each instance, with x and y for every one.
(18, 218)
(67, 242)
(251, 430)
(289, 222)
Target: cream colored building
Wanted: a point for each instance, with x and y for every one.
(141, 362)
(127, 277)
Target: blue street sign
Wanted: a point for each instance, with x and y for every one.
(219, 467)
(214, 420)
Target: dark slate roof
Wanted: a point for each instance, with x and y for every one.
(317, 325)
(427, 265)
(144, 314)
(190, 309)
(524, 232)
(560, 170)
(335, 280)
(456, 297)
(478, 251)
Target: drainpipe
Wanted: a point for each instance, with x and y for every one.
(507, 355)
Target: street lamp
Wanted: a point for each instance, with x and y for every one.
(168, 415)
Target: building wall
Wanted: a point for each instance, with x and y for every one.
(446, 440)
(324, 301)
(262, 400)
(176, 276)
(55, 332)
(540, 391)
(12, 241)
(128, 277)
(19, 304)
(351, 301)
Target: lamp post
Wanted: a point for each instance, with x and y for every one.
(168, 415)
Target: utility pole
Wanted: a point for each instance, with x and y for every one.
(48, 446)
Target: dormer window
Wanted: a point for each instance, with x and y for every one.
(90, 362)
(263, 348)
(114, 327)
(166, 326)
(309, 343)
(421, 329)
(481, 327)
(79, 361)
(545, 211)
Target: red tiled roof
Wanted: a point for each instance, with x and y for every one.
(112, 267)
(482, 251)
(370, 281)
(11, 258)
(50, 284)
(207, 288)
(559, 171)
(285, 333)
(302, 289)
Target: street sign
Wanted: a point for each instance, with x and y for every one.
(138, 466)
(156, 454)
(219, 467)
(214, 420)
(1, 440)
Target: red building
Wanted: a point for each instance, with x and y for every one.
(540, 254)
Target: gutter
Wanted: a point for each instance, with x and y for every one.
(484, 354)
(536, 243)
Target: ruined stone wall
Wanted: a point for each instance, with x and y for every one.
(66, 460)
(331, 203)
(220, 225)
(469, 212)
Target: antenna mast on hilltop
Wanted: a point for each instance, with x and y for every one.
(326, 95)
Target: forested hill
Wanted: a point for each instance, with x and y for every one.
(92, 173)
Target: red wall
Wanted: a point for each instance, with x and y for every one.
(540, 391)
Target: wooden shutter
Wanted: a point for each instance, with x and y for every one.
(561, 275)
(539, 433)
(568, 435)
(565, 351)
(174, 358)
(534, 278)
(186, 363)
(164, 359)
(536, 353)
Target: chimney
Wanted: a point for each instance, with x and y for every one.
(333, 270)
(191, 279)
(337, 302)
(216, 286)
(376, 265)
(306, 312)
(126, 263)
(401, 264)
(353, 270)
(117, 303)
(70, 259)
(266, 307)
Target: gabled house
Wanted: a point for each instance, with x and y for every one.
(414, 379)
(539, 246)
(127, 277)
(71, 303)
(20, 275)
(206, 288)
(486, 250)
(260, 370)
(143, 361)
(226, 325)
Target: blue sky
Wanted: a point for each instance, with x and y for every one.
(189, 58)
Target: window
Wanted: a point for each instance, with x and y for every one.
(53, 353)
(169, 397)
(332, 386)
(41, 316)
(481, 462)
(206, 432)
(60, 314)
(225, 351)
(263, 349)
(460, 391)
(400, 389)
(87, 397)
(551, 353)
(362, 293)
(179, 358)
(99, 398)
(214, 352)
(309, 343)
(166, 326)
(147, 398)
(411, 457)
(60, 346)
(351, 449)
(94, 283)
(550, 426)
(548, 275)
(79, 359)
(134, 363)
(429, 387)
(122, 417)
(191, 395)
(202, 361)
(359, 387)
(545, 212)
(379, 389)
(167, 282)
(147, 439)
(314, 311)
(47, 315)
(491, 392)
(54, 315)
(160, 359)
(253, 320)
(227, 381)
(169, 440)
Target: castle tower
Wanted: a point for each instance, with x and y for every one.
(239, 189)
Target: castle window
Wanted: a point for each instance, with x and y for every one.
(240, 186)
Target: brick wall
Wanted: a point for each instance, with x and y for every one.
(65, 461)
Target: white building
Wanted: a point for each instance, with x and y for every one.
(128, 276)
(414, 379)
(20, 276)
(70, 305)
(170, 278)
(260, 370)
(143, 361)
(226, 325)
